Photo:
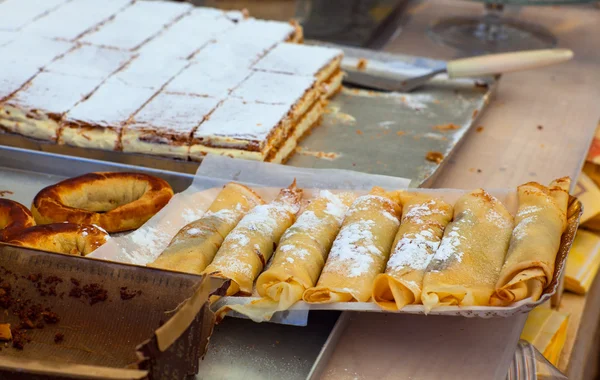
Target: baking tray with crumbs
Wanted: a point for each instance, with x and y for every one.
(409, 135)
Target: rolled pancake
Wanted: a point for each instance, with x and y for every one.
(466, 266)
(300, 257)
(360, 250)
(423, 222)
(540, 222)
(196, 244)
(246, 250)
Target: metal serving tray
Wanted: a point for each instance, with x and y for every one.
(362, 130)
(239, 349)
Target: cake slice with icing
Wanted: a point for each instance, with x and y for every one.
(35, 111)
(90, 62)
(207, 79)
(136, 24)
(176, 41)
(316, 61)
(149, 71)
(97, 121)
(18, 13)
(75, 18)
(165, 125)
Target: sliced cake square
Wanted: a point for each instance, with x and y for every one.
(320, 62)
(35, 110)
(136, 24)
(150, 71)
(18, 13)
(90, 62)
(74, 18)
(207, 79)
(187, 35)
(97, 121)
(165, 125)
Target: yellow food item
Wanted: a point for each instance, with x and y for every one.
(583, 262)
(466, 266)
(360, 251)
(423, 222)
(546, 329)
(540, 222)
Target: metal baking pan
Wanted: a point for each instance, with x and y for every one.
(366, 131)
(239, 349)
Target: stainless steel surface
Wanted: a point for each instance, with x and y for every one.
(366, 131)
(239, 349)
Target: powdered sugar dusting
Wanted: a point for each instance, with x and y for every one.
(335, 207)
(416, 212)
(496, 218)
(450, 247)
(151, 241)
(193, 231)
(415, 251)
(189, 215)
(365, 202)
(353, 249)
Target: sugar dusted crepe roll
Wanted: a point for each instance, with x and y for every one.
(196, 244)
(300, 256)
(466, 266)
(360, 250)
(246, 250)
(423, 222)
(540, 222)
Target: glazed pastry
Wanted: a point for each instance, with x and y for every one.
(423, 222)
(300, 256)
(466, 266)
(65, 238)
(14, 217)
(196, 244)
(246, 250)
(540, 222)
(114, 201)
(360, 250)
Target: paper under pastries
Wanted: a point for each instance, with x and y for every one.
(299, 258)
(246, 250)
(196, 244)
(467, 264)
(423, 222)
(360, 250)
(540, 223)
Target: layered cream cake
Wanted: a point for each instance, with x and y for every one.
(165, 125)
(296, 59)
(97, 121)
(161, 78)
(37, 109)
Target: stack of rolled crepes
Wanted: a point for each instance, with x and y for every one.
(195, 245)
(247, 248)
(540, 222)
(347, 249)
(299, 258)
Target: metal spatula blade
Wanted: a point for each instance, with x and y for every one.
(398, 81)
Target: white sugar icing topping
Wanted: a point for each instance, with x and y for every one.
(75, 18)
(297, 59)
(207, 79)
(273, 88)
(136, 24)
(110, 105)
(150, 71)
(353, 250)
(245, 121)
(90, 62)
(173, 113)
(18, 13)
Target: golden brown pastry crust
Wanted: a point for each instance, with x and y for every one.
(66, 238)
(114, 201)
(14, 217)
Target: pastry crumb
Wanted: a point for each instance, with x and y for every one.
(362, 64)
(479, 129)
(400, 133)
(5, 334)
(540, 127)
(359, 132)
(446, 127)
(475, 112)
(436, 157)
(59, 337)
